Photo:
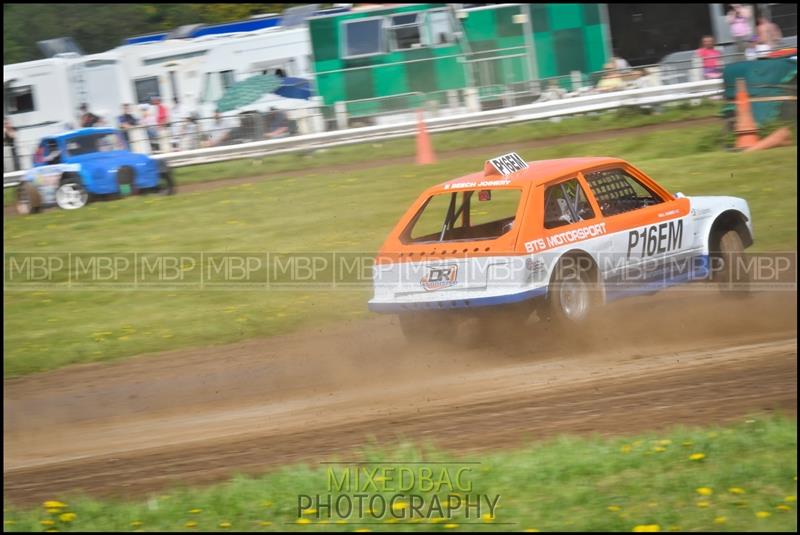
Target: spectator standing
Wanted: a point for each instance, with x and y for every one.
(178, 122)
(277, 124)
(88, 119)
(612, 79)
(739, 17)
(191, 133)
(149, 122)
(162, 121)
(126, 121)
(10, 141)
(769, 35)
(710, 56)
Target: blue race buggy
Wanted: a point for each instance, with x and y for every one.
(72, 167)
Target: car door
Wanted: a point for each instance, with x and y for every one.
(649, 239)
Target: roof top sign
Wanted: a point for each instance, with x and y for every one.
(505, 164)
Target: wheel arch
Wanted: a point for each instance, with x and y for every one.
(729, 220)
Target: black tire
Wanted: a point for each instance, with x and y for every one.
(572, 296)
(126, 180)
(166, 184)
(28, 199)
(729, 271)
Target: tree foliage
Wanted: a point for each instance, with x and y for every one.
(100, 27)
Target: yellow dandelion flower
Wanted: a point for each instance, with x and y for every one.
(665, 442)
(363, 530)
(341, 521)
(783, 507)
(224, 525)
(54, 511)
(67, 517)
(703, 503)
(195, 511)
(310, 511)
(487, 517)
(388, 521)
(790, 499)
(46, 522)
(647, 528)
(136, 524)
(763, 514)
(450, 526)
(697, 456)
(191, 524)
(659, 449)
(626, 448)
(436, 520)
(531, 530)
(704, 491)
(303, 521)
(687, 443)
(614, 508)
(736, 490)
(720, 520)
(54, 504)
(51, 530)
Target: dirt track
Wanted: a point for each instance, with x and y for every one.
(195, 416)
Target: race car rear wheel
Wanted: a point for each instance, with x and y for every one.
(126, 181)
(166, 184)
(729, 271)
(28, 199)
(572, 295)
(71, 194)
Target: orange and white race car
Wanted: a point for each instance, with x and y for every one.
(556, 236)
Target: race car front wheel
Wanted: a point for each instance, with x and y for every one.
(28, 199)
(727, 267)
(71, 194)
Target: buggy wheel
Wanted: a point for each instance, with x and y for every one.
(28, 199)
(71, 194)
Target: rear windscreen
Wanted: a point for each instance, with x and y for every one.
(467, 215)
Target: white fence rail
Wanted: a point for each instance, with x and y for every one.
(529, 112)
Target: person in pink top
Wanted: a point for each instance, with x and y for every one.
(712, 66)
(740, 19)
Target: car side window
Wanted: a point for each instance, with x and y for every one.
(618, 192)
(566, 203)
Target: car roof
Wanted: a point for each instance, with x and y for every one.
(82, 132)
(537, 172)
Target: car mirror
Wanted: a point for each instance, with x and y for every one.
(679, 195)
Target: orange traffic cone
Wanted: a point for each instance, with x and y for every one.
(425, 153)
(780, 137)
(746, 130)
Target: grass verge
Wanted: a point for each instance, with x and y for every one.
(741, 477)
